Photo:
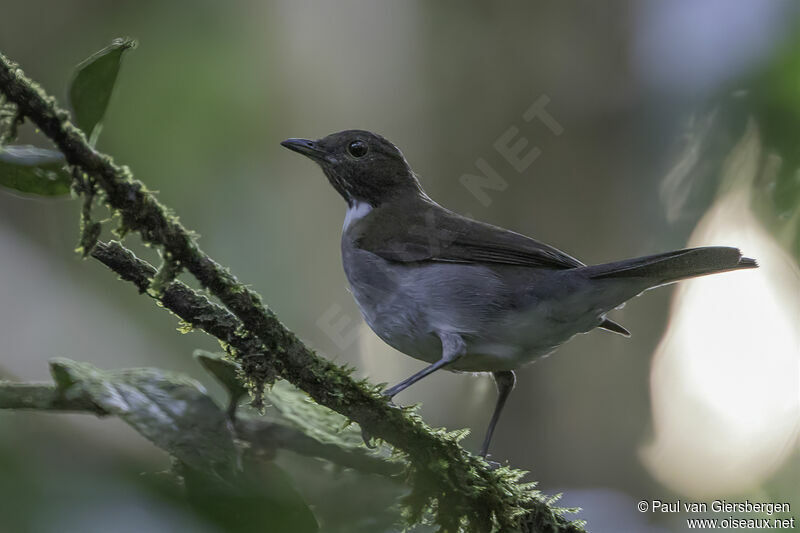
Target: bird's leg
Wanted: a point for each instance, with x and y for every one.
(453, 347)
(505, 381)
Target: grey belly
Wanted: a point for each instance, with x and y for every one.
(508, 316)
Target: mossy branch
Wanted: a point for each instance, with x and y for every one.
(189, 305)
(466, 491)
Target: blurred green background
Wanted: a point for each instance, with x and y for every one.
(652, 97)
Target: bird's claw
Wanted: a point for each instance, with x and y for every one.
(493, 465)
(391, 403)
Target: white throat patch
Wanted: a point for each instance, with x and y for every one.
(355, 213)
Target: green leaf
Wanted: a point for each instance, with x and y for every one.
(288, 404)
(295, 407)
(224, 370)
(92, 85)
(171, 410)
(34, 170)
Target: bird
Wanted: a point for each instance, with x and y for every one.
(465, 295)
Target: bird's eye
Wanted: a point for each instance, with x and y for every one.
(357, 148)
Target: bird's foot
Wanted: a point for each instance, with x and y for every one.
(393, 405)
(493, 465)
(389, 394)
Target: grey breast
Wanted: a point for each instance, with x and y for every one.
(407, 304)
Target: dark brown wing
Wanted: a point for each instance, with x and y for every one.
(418, 229)
(421, 230)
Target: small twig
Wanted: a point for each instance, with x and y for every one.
(186, 303)
(43, 397)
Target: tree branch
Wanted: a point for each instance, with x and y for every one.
(466, 491)
(186, 303)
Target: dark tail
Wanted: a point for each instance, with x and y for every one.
(675, 266)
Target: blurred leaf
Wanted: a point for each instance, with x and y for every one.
(288, 404)
(224, 370)
(34, 170)
(295, 407)
(171, 410)
(776, 107)
(92, 85)
(262, 499)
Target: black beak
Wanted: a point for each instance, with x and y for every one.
(307, 148)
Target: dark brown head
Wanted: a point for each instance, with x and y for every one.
(361, 165)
